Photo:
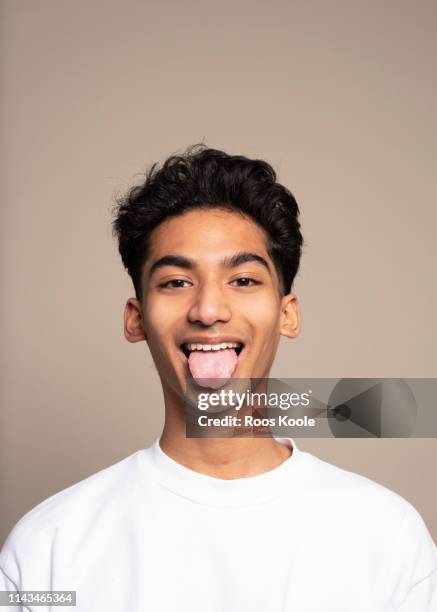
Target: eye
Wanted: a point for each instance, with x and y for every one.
(244, 281)
(173, 284)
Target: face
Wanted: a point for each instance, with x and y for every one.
(209, 278)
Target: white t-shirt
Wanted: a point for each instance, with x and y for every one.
(148, 534)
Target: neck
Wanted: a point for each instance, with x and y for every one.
(226, 458)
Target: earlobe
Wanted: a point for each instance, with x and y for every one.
(290, 316)
(133, 321)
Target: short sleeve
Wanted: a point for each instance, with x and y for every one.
(415, 565)
(422, 597)
(6, 584)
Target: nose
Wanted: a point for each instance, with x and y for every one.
(210, 305)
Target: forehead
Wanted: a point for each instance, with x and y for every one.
(207, 235)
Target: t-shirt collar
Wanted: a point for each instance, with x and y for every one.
(213, 491)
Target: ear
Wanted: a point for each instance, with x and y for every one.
(290, 321)
(133, 321)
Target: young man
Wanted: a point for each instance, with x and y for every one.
(212, 243)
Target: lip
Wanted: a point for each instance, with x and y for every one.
(210, 340)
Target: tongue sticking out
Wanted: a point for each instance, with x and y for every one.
(212, 368)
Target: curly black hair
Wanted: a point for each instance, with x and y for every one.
(208, 178)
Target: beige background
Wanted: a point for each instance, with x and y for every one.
(339, 96)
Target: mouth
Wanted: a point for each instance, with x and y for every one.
(188, 347)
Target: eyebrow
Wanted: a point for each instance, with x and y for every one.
(189, 264)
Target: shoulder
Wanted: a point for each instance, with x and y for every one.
(373, 510)
(70, 511)
(331, 482)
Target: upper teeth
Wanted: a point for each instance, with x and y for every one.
(212, 347)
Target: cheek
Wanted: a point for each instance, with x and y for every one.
(155, 323)
(265, 316)
(161, 318)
